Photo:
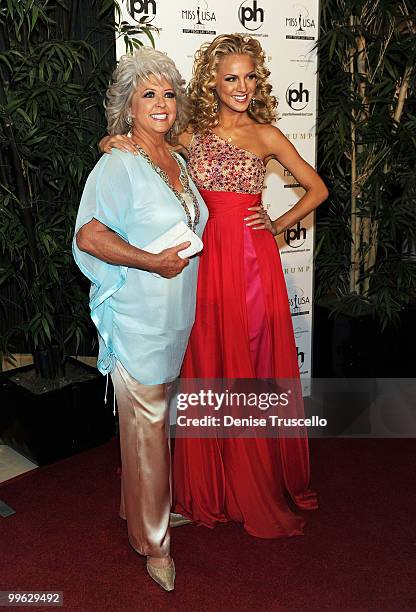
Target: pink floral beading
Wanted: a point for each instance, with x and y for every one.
(218, 165)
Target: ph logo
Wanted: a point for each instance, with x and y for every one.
(297, 98)
(295, 237)
(301, 357)
(142, 8)
(251, 16)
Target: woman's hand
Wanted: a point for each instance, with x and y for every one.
(98, 240)
(260, 220)
(168, 263)
(124, 143)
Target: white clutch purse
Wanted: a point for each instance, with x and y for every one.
(174, 236)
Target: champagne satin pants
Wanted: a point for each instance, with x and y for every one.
(145, 459)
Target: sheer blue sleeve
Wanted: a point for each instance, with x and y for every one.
(107, 197)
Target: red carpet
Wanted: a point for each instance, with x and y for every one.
(358, 552)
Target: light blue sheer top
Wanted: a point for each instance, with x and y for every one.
(142, 320)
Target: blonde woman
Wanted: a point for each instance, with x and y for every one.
(243, 326)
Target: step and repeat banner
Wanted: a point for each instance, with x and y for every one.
(287, 32)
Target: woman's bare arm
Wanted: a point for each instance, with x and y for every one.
(277, 146)
(98, 240)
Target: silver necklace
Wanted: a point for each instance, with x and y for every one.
(183, 177)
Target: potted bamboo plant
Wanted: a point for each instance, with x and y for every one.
(366, 236)
(56, 58)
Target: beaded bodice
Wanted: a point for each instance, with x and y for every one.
(218, 165)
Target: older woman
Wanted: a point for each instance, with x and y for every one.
(142, 303)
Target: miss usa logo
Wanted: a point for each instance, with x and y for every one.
(251, 15)
(201, 15)
(300, 24)
(299, 302)
(142, 8)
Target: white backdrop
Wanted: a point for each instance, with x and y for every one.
(287, 32)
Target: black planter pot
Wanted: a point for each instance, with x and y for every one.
(49, 362)
(355, 347)
(48, 426)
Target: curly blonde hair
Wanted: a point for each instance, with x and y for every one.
(132, 70)
(201, 89)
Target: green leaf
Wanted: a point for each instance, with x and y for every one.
(332, 46)
(46, 328)
(23, 114)
(35, 15)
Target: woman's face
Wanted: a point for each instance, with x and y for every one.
(153, 106)
(236, 81)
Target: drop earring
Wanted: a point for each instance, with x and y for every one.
(129, 120)
(216, 107)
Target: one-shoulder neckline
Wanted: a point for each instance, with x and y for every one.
(234, 146)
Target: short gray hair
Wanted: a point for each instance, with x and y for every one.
(132, 70)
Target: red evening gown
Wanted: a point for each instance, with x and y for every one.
(242, 329)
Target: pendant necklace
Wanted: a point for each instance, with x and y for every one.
(226, 138)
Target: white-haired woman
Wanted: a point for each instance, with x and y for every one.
(142, 304)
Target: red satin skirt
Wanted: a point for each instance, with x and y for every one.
(243, 329)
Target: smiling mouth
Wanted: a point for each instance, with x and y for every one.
(160, 117)
(240, 98)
